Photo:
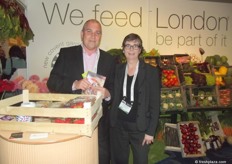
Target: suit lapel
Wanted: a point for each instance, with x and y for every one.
(121, 74)
(100, 65)
(80, 61)
(141, 74)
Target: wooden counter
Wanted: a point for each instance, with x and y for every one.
(55, 149)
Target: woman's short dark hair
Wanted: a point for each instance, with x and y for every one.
(16, 51)
(131, 37)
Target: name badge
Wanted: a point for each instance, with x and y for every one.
(125, 107)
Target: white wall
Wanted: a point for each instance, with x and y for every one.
(57, 23)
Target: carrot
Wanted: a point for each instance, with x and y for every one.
(227, 130)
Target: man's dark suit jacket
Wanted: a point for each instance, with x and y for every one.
(69, 67)
(149, 97)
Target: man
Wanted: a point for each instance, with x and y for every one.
(66, 76)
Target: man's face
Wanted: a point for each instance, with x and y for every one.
(91, 36)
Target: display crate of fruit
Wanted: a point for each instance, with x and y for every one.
(223, 75)
(171, 138)
(170, 77)
(55, 113)
(198, 74)
(167, 60)
(172, 99)
(225, 96)
(201, 97)
(152, 60)
(182, 59)
(190, 139)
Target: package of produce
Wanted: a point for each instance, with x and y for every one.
(171, 138)
(81, 102)
(190, 139)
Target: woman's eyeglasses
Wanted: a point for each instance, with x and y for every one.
(134, 47)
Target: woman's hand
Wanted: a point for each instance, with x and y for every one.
(148, 139)
(105, 93)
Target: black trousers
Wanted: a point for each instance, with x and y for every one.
(126, 137)
(104, 138)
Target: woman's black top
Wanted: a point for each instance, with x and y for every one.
(131, 116)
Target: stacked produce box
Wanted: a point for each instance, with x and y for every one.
(201, 97)
(172, 93)
(200, 85)
(55, 113)
(172, 99)
(184, 137)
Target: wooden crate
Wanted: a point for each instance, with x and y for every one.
(152, 60)
(177, 73)
(171, 138)
(91, 115)
(166, 60)
(182, 59)
(225, 97)
(173, 99)
(201, 97)
(187, 139)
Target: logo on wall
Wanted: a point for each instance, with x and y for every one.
(53, 53)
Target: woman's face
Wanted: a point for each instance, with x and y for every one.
(132, 49)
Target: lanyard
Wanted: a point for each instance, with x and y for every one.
(132, 83)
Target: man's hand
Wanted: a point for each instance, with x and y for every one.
(148, 139)
(81, 84)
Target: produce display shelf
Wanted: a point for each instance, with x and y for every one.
(218, 108)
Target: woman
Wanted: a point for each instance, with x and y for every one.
(136, 105)
(16, 60)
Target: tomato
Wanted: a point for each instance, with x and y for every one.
(164, 71)
(67, 120)
(79, 121)
(59, 120)
(171, 71)
(78, 105)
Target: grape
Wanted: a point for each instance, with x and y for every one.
(188, 80)
(198, 79)
(210, 79)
